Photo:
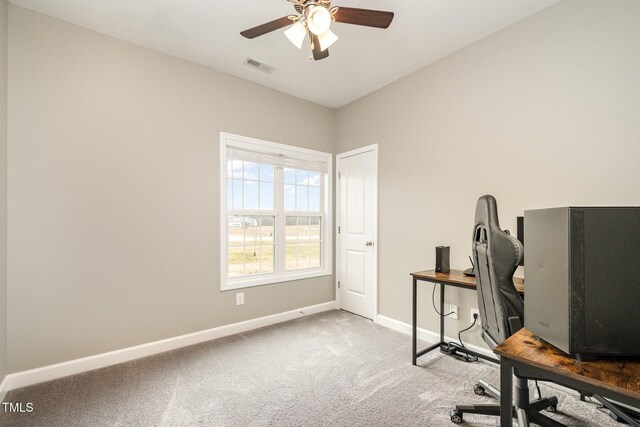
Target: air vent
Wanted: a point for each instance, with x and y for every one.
(261, 66)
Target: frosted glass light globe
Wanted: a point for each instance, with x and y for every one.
(327, 39)
(296, 34)
(318, 20)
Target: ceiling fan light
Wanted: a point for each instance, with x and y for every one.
(318, 20)
(327, 39)
(296, 34)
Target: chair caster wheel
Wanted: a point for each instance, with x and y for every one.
(552, 408)
(478, 389)
(456, 417)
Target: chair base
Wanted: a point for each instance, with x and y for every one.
(523, 411)
(523, 415)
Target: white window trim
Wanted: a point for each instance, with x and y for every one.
(327, 230)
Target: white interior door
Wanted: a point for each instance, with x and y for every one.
(357, 252)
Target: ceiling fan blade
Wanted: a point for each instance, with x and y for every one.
(317, 53)
(366, 17)
(263, 29)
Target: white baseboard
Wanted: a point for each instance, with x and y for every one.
(72, 367)
(425, 334)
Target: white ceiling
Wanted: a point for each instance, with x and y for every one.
(361, 61)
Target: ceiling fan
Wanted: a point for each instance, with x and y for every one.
(314, 18)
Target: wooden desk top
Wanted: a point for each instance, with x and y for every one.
(621, 376)
(457, 277)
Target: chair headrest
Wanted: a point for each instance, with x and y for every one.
(487, 212)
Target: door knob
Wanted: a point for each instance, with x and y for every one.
(368, 243)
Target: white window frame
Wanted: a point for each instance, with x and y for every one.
(326, 237)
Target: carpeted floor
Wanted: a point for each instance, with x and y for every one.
(330, 369)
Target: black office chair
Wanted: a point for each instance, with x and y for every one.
(497, 255)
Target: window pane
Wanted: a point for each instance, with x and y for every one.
(266, 173)
(235, 230)
(235, 261)
(266, 196)
(229, 194)
(302, 177)
(229, 168)
(315, 259)
(303, 255)
(291, 225)
(237, 194)
(314, 228)
(244, 229)
(302, 198)
(266, 259)
(289, 197)
(314, 199)
(250, 195)
(291, 220)
(303, 250)
(266, 230)
(251, 230)
(314, 179)
(303, 229)
(251, 260)
(251, 245)
(291, 257)
(237, 168)
(251, 171)
(289, 176)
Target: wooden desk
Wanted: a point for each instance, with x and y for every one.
(454, 278)
(528, 356)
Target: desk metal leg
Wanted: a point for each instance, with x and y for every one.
(414, 326)
(506, 393)
(442, 345)
(441, 312)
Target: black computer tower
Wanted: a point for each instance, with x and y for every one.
(582, 279)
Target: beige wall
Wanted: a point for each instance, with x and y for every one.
(3, 188)
(113, 192)
(544, 113)
(113, 168)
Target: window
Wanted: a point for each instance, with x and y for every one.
(275, 211)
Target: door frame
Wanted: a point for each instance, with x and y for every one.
(373, 148)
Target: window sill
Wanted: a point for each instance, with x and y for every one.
(272, 279)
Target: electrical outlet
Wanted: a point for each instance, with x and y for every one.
(453, 309)
(474, 311)
(240, 298)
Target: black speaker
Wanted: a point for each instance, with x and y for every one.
(442, 259)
